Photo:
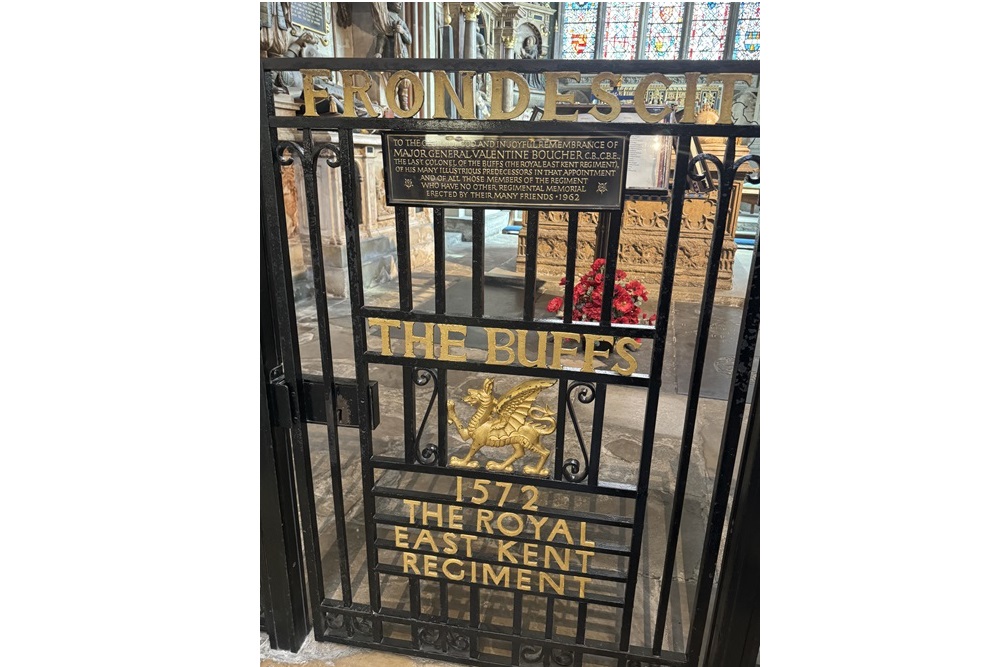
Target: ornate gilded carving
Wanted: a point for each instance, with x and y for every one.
(511, 427)
(290, 197)
(469, 10)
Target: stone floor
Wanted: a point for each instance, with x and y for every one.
(620, 452)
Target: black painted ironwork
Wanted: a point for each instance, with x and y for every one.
(445, 618)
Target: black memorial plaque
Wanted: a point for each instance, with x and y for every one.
(508, 171)
(310, 15)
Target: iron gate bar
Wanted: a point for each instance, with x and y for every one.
(530, 264)
(597, 573)
(449, 499)
(655, 372)
(308, 158)
(356, 282)
(599, 547)
(682, 130)
(278, 259)
(608, 488)
(738, 388)
(572, 221)
(597, 648)
(636, 379)
(636, 331)
(478, 262)
(736, 618)
(727, 174)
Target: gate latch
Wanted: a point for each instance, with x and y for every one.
(346, 401)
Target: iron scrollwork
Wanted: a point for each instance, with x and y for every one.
(586, 392)
(443, 640)
(428, 454)
(345, 624)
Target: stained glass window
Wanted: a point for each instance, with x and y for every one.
(747, 44)
(664, 22)
(708, 31)
(621, 30)
(579, 40)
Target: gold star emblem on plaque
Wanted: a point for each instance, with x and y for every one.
(602, 187)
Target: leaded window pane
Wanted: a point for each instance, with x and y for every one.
(621, 30)
(664, 23)
(747, 44)
(708, 31)
(579, 39)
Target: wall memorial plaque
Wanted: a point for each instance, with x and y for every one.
(311, 16)
(542, 171)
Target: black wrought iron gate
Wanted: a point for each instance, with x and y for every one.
(496, 552)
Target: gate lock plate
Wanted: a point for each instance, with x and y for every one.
(346, 402)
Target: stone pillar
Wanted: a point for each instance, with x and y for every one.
(446, 49)
(469, 13)
(508, 85)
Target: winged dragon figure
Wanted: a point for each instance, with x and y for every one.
(506, 422)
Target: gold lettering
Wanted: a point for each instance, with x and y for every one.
(401, 535)
(469, 539)
(483, 518)
(584, 555)
(502, 574)
(559, 588)
(640, 98)
(430, 566)
(447, 572)
(552, 96)
(432, 514)
(604, 96)
(539, 522)
(452, 545)
(621, 349)
(529, 554)
(492, 347)
(351, 88)
(523, 582)
(410, 560)
(561, 528)
(583, 584)
(409, 340)
(690, 96)
(309, 92)
(728, 88)
(455, 517)
(558, 351)
(584, 542)
(503, 550)
(417, 100)
(589, 351)
(447, 342)
(412, 505)
(442, 84)
(384, 326)
(553, 552)
(425, 536)
(496, 102)
(522, 347)
(510, 532)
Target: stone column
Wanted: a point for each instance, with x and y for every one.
(470, 12)
(446, 49)
(508, 85)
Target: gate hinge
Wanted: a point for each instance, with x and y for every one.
(280, 400)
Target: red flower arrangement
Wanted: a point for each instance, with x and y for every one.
(588, 294)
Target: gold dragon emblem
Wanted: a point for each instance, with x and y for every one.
(506, 422)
